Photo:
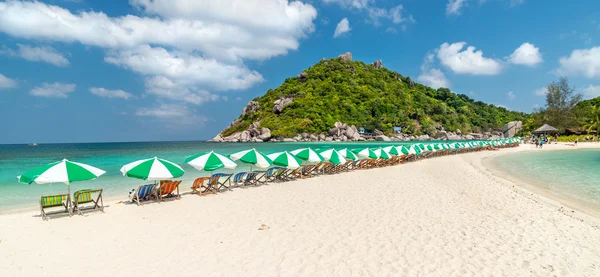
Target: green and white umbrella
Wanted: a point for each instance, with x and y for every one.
(392, 150)
(285, 159)
(308, 155)
(253, 157)
(63, 171)
(382, 154)
(349, 155)
(210, 161)
(402, 150)
(365, 153)
(333, 156)
(152, 169)
(415, 149)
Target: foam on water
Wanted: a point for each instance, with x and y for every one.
(571, 173)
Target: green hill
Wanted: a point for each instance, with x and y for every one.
(367, 95)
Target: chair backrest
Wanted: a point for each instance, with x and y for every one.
(53, 200)
(145, 190)
(213, 181)
(85, 196)
(238, 177)
(218, 175)
(271, 171)
(250, 176)
(168, 188)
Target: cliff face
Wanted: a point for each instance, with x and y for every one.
(346, 95)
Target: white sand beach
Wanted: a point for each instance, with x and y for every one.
(447, 216)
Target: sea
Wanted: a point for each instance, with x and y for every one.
(567, 174)
(17, 159)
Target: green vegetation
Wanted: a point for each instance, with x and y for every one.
(375, 98)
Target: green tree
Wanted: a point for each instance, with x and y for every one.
(561, 100)
(593, 122)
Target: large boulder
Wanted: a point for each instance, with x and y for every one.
(476, 135)
(235, 137)
(378, 133)
(378, 64)
(313, 138)
(334, 132)
(250, 108)
(279, 104)
(346, 57)
(245, 136)
(265, 134)
(288, 140)
(352, 133)
(302, 77)
(217, 138)
(321, 137)
(469, 137)
(510, 129)
(382, 138)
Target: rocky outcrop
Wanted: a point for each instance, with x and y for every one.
(346, 57)
(250, 108)
(510, 129)
(303, 77)
(217, 138)
(279, 104)
(265, 134)
(382, 138)
(378, 64)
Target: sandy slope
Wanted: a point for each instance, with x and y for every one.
(441, 217)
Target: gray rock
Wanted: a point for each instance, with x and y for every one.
(305, 135)
(443, 135)
(343, 138)
(346, 57)
(476, 135)
(378, 133)
(235, 122)
(313, 138)
(254, 132)
(235, 137)
(334, 132)
(217, 138)
(328, 139)
(298, 138)
(361, 139)
(265, 134)
(321, 137)
(378, 64)
(410, 82)
(510, 129)
(257, 140)
(250, 108)
(458, 132)
(303, 77)
(352, 133)
(245, 136)
(288, 140)
(382, 138)
(281, 103)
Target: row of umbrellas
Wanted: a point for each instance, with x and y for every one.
(66, 171)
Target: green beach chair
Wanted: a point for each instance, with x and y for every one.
(86, 196)
(60, 200)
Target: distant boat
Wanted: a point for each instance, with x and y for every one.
(33, 144)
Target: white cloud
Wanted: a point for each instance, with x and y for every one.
(511, 95)
(591, 91)
(238, 98)
(196, 45)
(526, 54)
(53, 90)
(6, 82)
(107, 93)
(467, 61)
(453, 7)
(166, 88)
(173, 115)
(432, 77)
(374, 13)
(541, 91)
(581, 62)
(43, 54)
(342, 28)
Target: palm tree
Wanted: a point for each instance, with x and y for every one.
(594, 119)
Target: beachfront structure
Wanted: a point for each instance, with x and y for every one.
(545, 129)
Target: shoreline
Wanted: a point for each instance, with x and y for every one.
(446, 216)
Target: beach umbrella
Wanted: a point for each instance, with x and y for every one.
(382, 154)
(64, 171)
(210, 161)
(308, 155)
(253, 157)
(402, 150)
(333, 156)
(285, 159)
(415, 149)
(152, 169)
(349, 155)
(392, 150)
(365, 153)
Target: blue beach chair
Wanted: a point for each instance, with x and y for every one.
(143, 192)
(223, 182)
(238, 179)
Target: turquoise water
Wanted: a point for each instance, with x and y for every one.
(17, 159)
(572, 173)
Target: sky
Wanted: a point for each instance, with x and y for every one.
(164, 70)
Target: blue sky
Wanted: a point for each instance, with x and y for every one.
(146, 70)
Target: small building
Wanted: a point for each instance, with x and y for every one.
(361, 130)
(397, 130)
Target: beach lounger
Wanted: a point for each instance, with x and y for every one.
(60, 200)
(142, 193)
(86, 196)
(167, 189)
(296, 173)
(269, 175)
(251, 179)
(282, 174)
(223, 182)
(238, 179)
(307, 171)
(205, 185)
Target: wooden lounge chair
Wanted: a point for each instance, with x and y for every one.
(268, 175)
(60, 200)
(282, 174)
(251, 179)
(205, 185)
(238, 179)
(167, 189)
(142, 193)
(296, 173)
(87, 196)
(223, 182)
(307, 171)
